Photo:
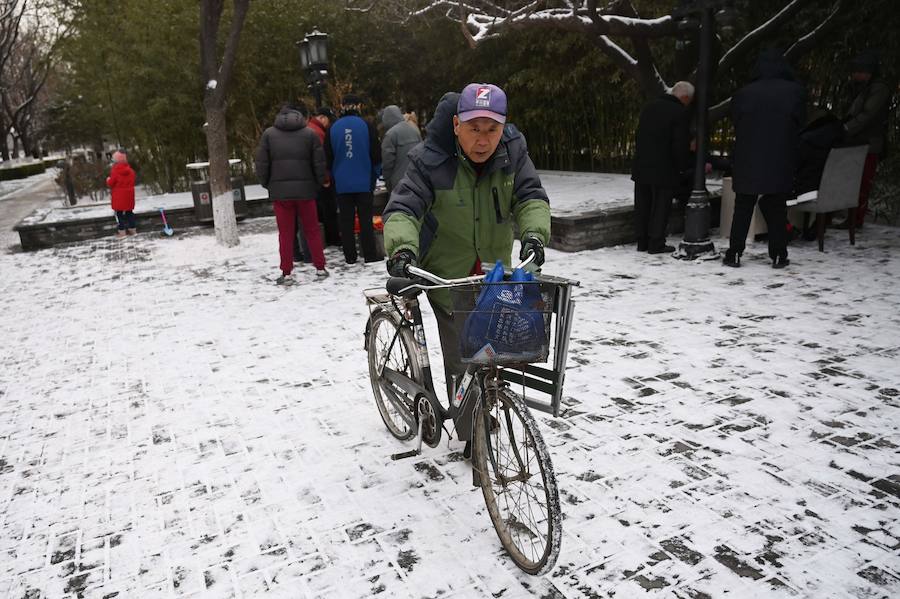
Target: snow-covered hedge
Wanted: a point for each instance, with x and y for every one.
(20, 171)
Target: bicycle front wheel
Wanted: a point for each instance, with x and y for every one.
(517, 479)
(392, 346)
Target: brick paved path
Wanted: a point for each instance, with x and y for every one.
(172, 424)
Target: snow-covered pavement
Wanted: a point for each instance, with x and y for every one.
(174, 424)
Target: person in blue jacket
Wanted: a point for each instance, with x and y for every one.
(354, 155)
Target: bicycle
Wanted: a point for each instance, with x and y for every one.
(510, 461)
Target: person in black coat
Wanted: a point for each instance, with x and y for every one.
(661, 153)
(767, 115)
(290, 164)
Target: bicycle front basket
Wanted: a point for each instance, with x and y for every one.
(503, 323)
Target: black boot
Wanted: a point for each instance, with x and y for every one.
(780, 261)
(732, 259)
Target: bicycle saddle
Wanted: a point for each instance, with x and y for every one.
(403, 287)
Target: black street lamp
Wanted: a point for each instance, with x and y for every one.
(314, 62)
(700, 17)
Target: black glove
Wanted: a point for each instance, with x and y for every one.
(531, 244)
(398, 263)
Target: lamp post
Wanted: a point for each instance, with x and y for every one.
(700, 16)
(314, 62)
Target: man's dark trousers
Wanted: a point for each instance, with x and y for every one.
(774, 210)
(652, 207)
(326, 206)
(450, 331)
(349, 204)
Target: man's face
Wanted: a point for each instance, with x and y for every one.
(860, 76)
(478, 137)
(323, 120)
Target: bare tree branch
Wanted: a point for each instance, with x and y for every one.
(605, 26)
(11, 13)
(808, 41)
(752, 39)
(231, 46)
(797, 49)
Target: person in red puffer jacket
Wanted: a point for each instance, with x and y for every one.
(121, 186)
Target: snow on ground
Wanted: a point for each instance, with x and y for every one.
(9, 188)
(173, 424)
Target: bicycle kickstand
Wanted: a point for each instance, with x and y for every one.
(411, 452)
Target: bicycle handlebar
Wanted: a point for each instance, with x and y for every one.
(428, 276)
(400, 285)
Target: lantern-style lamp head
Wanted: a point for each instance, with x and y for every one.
(303, 47)
(318, 49)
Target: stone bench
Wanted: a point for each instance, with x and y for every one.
(588, 211)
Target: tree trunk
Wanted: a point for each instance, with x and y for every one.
(27, 146)
(215, 99)
(224, 219)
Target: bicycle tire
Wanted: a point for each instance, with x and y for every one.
(531, 536)
(402, 358)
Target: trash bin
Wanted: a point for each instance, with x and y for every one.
(198, 172)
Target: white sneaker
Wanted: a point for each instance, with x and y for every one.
(322, 273)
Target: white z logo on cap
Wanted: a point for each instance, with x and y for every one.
(483, 96)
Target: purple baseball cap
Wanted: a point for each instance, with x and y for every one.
(482, 100)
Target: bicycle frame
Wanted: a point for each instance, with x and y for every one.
(461, 406)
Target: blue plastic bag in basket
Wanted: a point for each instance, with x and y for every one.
(507, 322)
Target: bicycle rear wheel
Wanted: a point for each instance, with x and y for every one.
(393, 347)
(517, 479)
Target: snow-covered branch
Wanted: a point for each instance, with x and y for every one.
(487, 18)
(606, 24)
(752, 40)
(801, 46)
(808, 41)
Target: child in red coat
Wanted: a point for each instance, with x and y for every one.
(121, 185)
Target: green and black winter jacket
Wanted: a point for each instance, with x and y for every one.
(450, 216)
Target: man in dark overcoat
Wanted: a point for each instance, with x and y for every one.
(768, 115)
(661, 153)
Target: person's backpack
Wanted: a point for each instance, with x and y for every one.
(507, 322)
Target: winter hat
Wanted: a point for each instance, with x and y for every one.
(865, 62)
(351, 100)
(120, 156)
(482, 100)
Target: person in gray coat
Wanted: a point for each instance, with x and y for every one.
(867, 121)
(290, 164)
(400, 137)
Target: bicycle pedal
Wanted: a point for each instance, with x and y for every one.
(405, 454)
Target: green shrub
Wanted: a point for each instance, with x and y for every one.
(21, 171)
(88, 179)
(884, 201)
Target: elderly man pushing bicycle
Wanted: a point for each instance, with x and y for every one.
(454, 209)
